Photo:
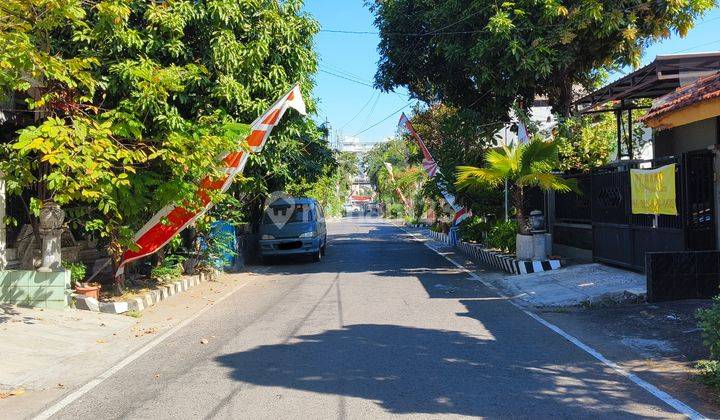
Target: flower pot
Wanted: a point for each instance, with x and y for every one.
(88, 291)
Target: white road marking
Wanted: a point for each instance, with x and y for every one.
(77, 394)
(668, 399)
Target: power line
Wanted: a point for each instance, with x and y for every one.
(372, 109)
(361, 109)
(347, 78)
(383, 120)
(474, 31)
(340, 70)
(696, 46)
(358, 81)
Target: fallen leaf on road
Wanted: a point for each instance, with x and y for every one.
(146, 331)
(157, 375)
(16, 392)
(204, 341)
(100, 341)
(61, 385)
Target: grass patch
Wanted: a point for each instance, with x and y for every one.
(133, 314)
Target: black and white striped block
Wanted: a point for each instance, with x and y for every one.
(506, 262)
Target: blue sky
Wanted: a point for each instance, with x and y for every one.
(352, 107)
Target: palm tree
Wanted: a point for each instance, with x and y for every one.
(524, 165)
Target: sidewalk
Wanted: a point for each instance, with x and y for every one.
(49, 353)
(576, 285)
(581, 284)
(35, 342)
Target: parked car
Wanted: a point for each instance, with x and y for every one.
(293, 227)
(350, 210)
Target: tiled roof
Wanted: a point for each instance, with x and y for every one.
(702, 89)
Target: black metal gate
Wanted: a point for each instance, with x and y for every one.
(622, 238)
(699, 203)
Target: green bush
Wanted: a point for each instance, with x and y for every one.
(473, 229)
(502, 235)
(170, 269)
(709, 323)
(710, 372)
(396, 211)
(78, 271)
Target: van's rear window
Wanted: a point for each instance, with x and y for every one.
(297, 213)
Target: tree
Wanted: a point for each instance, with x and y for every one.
(394, 152)
(484, 55)
(524, 165)
(134, 100)
(586, 142)
(333, 187)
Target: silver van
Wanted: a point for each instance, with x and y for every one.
(294, 226)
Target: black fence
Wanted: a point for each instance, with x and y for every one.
(682, 275)
(622, 238)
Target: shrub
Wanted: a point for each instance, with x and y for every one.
(396, 211)
(78, 271)
(473, 229)
(709, 323)
(502, 235)
(170, 269)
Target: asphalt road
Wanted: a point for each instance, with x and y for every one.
(382, 327)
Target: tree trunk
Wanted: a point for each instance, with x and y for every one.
(115, 251)
(563, 93)
(518, 198)
(565, 98)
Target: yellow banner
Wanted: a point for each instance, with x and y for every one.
(653, 190)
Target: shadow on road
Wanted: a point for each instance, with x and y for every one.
(416, 370)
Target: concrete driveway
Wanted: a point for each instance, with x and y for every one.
(382, 327)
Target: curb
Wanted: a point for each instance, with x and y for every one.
(507, 262)
(502, 261)
(141, 303)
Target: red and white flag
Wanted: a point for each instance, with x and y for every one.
(431, 167)
(174, 218)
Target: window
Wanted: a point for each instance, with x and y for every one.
(279, 214)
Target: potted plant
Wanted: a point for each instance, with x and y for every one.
(523, 165)
(78, 272)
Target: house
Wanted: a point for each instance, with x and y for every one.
(681, 94)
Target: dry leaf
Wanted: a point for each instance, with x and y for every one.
(100, 341)
(204, 341)
(16, 392)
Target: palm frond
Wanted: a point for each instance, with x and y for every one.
(470, 177)
(548, 181)
(500, 159)
(539, 154)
